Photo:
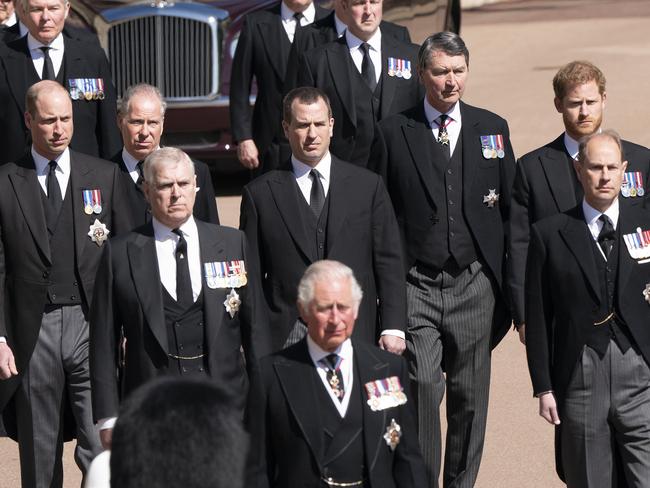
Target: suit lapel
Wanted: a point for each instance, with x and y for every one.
(296, 377)
(79, 180)
(471, 138)
(212, 250)
(419, 140)
(285, 193)
(340, 186)
(20, 70)
(143, 264)
(556, 166)
(389, 86)
(578, 238)
(626, 225)
(371, 368)
(275, 39)
(27, 190)
(341, 68)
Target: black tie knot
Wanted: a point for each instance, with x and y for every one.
(317, 195)
(140, 171)
(48, 66)
(52, 169)
(607, 235)
(181, 246)
(298, 16)
(333, 361)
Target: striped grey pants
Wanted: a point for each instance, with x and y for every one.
(449, 326)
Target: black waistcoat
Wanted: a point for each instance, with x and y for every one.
(342, 437)
(63, 288)
(185, 336)
(315, 228)
(613, 328)
(450, 236)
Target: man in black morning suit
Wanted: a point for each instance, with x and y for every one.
(141, 117)
(449, 168)
(262, 53)
(326, 30)
(587, 316)
(334, 411)
(181, 291)
(57, 208)
(367, 76)
(47, 54)
(291, 221)
(545, 182)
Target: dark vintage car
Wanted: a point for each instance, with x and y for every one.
(186, 49)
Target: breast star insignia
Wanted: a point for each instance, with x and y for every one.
(646, 292)
(491, 198)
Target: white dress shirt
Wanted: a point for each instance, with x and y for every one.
(11, 20)
(131, 165)
(592, 217)
(166, 242)
(346, 352)
(301, 173)
(453, 126)
(571, 145)
(55, 52)
(289, 21)
(340, 26)
(62, 170)
(374, 42)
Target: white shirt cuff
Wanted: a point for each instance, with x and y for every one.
(3, 339)
(394, 332)
(107, 423)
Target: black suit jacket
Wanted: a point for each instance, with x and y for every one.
(361, 233)
(129, 297)
(543, 187)
(259, 55)
(25, 258)
(330, 68)
(205, 205)
(403, 155)
(563, 294)
(322, 32)
(95, 131)
(291, 433)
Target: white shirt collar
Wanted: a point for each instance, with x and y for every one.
(309, 13)
(317, 353)
(354, 42)
(56, 44)
(129, 161)
(11, 20)
(324, 167)
(340, 26)
(162, 232)
(571, 145)
(432, 113)
(41, 163)
(23, 29)
(592, 215)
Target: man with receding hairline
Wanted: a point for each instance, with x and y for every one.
(141, 119)
(546, 183)
(181, 291)
(587, 315)
(334, 411)
(57, 209)
(78, 65)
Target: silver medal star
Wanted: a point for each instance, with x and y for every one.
(491, 198)
(646, 292)
(232, 303)
(393, 434)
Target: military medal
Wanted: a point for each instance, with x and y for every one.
(443, 135)
(632, 184)
(98, 232)
(88, 201)
(398, 71)
(391, 66)
(232, 303)
(225, 274)
(491, 198)
(492, 146)
(393, 434)
(638, 245)
(625, 189)
(100, 91)
(406, 73)
(97, 201)
(385, 393)
(72, 89)
(646, 292)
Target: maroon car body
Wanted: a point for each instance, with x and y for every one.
(186, 49)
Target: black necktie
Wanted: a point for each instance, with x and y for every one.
(138, 168)
(53, 190)
(334, 376)
(183, 282)
(368, 68)
(443, 135)
(317, 195)
(607, 235)
(48, 67)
